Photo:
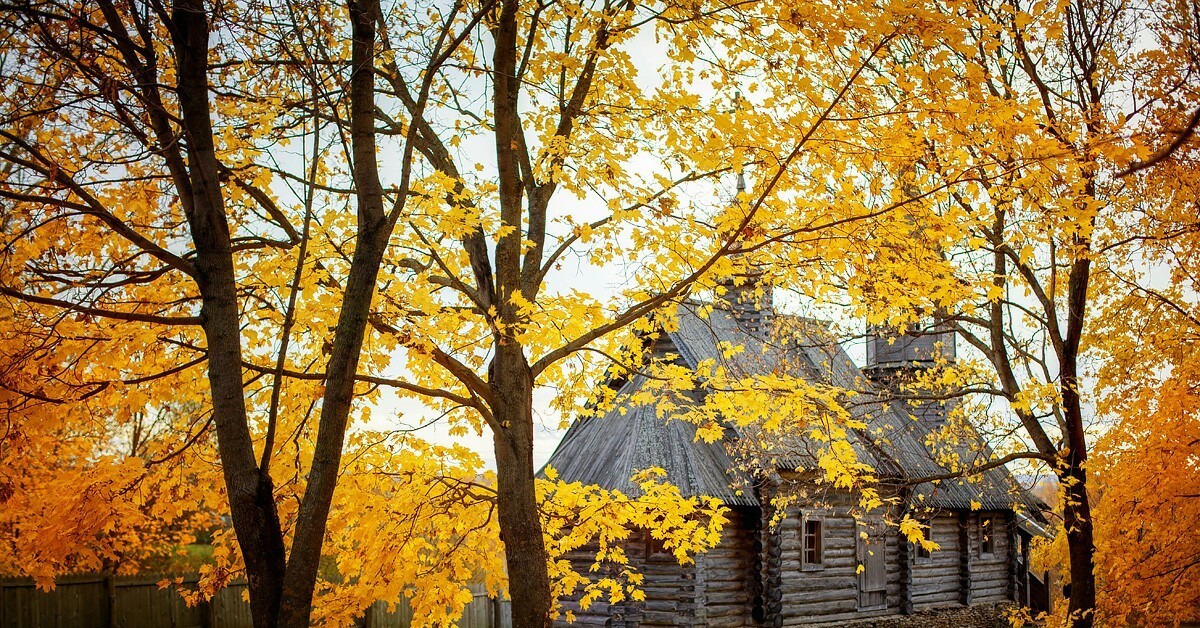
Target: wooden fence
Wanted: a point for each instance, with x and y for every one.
(137, 602)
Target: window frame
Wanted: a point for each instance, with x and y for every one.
(922, 556)
(987, 536)
(805, 564)
(652, 547)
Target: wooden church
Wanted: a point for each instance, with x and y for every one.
(805, 570)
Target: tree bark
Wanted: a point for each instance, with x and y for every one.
(1077, 517)
(313, 517)
(509, 375)
(370, 246)
(1077, 512)
(517, 508)
(251, 502)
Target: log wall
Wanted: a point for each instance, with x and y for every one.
(990, 572)
(600, 612)
(715, 591)
(719, 590)
(830, 594)
(727, 571)
(936, 581)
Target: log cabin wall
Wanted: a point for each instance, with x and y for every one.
(599, 612)
(670, 590)
(989, 572)
(718, 589)
(633, 436)
(674, 593)
(727, 571)
(936, 578)
(715, 591)
(830, 594)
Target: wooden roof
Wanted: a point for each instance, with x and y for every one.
(608, 450)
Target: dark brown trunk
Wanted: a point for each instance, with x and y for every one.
(251, 502)
(370, 246)
(510, 377)
(1077, 512)
(312, 519)
(520, 525)
(1080, 545)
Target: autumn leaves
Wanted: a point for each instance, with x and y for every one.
(227, 221)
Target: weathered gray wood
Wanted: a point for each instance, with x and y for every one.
(965, 553)
(1026, 597)
(771, 541)
(82, 601)
(727, 571)
(989, 572)
(937, 582)
(1013, 555)
(906, 577)
(720, 589)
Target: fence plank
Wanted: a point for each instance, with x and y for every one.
(137, 602)
(75, 604)
(229, 610)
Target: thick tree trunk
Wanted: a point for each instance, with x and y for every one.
(251, 502)
(509, 375)
(1080, 546)
(520, 524)
(1077, 511)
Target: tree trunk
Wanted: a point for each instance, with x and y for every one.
(1077, 511)
(251, 499)
(1080, 547)
(520, 524)
(313, 517)
(370, 247)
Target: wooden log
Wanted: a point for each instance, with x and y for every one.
(965, 553)
(837, 618)
(906, 577)
(1011, 542)
(833, 595)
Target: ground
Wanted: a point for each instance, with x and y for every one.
(978, 616)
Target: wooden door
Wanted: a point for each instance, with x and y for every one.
(872, 565)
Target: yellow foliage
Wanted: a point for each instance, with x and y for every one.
(597, 522)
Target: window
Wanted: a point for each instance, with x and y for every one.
(652, 545)
(920, 554)
(986, 536)
(812, 543)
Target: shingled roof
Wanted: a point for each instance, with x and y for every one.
(608, 450)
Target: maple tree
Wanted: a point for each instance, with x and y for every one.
(114, 165)
(159, 224)
(1145, 467)
(1051, 106)
(258, 213)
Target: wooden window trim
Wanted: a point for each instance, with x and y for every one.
(653, 547)
(819, 564)
(987, 538)
(921, 556)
